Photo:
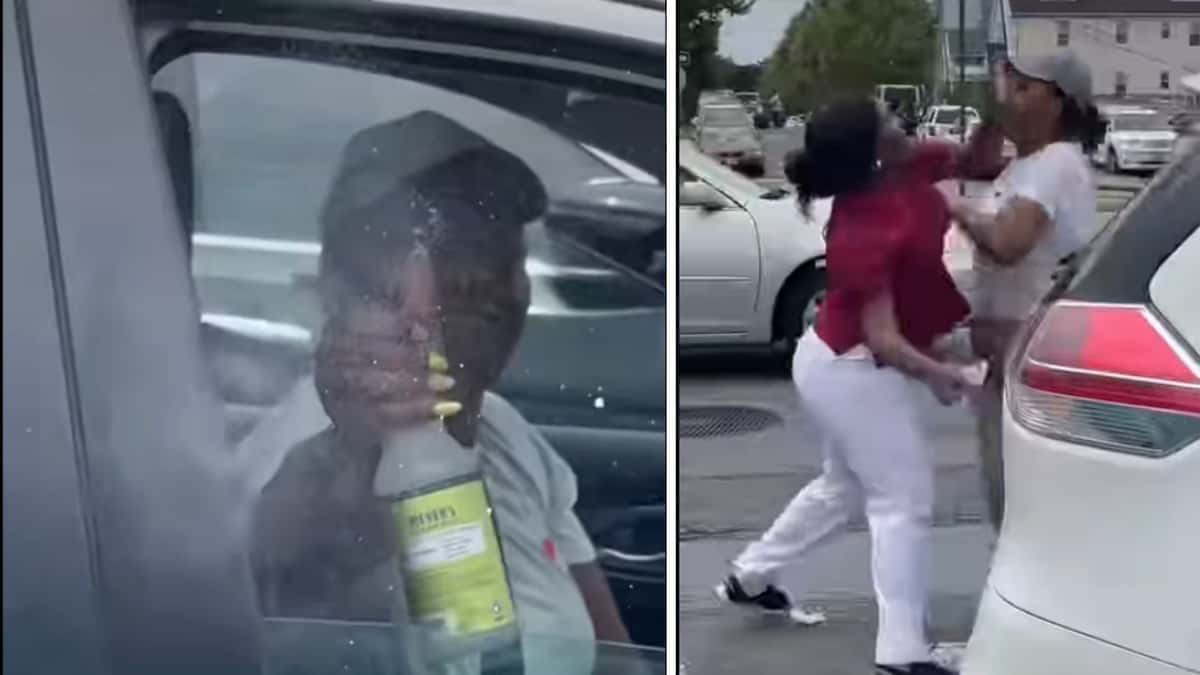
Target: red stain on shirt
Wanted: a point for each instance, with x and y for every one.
(550, 550)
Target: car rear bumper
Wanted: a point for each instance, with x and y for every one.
(1009, 641)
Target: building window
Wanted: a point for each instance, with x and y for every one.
(1164, 80)
(1166, 30)
(1064, 33)
(1194, 37)
(1122, 32)
(1122, 84)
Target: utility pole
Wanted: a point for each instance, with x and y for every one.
(962, 82)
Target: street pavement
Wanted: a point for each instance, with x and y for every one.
(731, 486)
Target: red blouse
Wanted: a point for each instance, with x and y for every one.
(892, 237)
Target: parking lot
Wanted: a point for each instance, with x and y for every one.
(744, 453)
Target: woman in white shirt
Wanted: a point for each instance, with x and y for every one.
(1044, 211)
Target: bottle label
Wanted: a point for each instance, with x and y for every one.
(453, 567)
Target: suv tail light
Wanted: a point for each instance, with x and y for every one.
(1106, 375)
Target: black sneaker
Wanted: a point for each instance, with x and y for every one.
(773, 601)
(929, 668)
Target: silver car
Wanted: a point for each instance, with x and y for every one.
(727, 134)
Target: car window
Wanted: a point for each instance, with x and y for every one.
(1141, 123)
(948, 116)
(723, 117)
(378, 243)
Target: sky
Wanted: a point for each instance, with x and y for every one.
(752, 37)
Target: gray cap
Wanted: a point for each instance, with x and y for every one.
(1063, 69)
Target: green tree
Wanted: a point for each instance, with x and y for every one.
(739, 77)
(698, 32)
(833, 47)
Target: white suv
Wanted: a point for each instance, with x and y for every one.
(1136, 139)
(1095, 571)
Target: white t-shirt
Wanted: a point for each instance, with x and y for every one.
(1059, 178)
(533, 491)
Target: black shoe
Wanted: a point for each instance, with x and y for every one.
(772, 600)
(914, 669)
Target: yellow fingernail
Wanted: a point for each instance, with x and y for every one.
(438, 363)
(440, 383)
(446, 408)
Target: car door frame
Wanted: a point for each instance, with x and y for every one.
(49, 596)
(164, 511)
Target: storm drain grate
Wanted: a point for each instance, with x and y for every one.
(709, 421)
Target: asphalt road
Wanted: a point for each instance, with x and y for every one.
(732, 486)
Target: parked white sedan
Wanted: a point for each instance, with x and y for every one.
(751, 266)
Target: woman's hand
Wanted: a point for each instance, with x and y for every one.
(376, 370)
(949, 383)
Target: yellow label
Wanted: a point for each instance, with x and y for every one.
(454, 572)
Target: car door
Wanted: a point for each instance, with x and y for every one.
(719, 268)
(125, 519)
(128, 509)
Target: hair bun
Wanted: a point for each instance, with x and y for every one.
(796, 167)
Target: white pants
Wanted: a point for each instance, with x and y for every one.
(877, 459)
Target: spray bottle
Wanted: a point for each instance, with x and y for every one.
(456, 600)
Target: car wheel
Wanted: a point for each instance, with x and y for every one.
(1114, 164)
(797, 307)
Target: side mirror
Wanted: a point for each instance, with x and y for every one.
(703, 195)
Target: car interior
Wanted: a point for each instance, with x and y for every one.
(620, 465)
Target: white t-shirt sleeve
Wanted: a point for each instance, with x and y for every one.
(572, 541)
(1049, 179)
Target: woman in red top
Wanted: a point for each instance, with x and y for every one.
(869, 365)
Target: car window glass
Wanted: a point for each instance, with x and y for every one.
(948, 116)
(724, 117)
(313, 193)
(1141, 123)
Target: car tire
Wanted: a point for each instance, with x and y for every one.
(1113, 165)
(796, 308)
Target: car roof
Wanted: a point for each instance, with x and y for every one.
(642, 20)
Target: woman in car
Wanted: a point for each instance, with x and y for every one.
(324, 544)
(870, 364)
(1045, 207)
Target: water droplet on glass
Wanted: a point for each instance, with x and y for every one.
(599, 402)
